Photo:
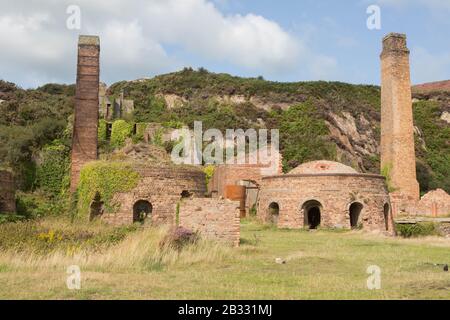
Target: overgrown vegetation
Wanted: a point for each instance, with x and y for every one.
(121, 130)
(107, 178)
(433, 168)
(36, 124)
(417, 229)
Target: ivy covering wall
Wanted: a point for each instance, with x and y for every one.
(121, 130)
(106, 178)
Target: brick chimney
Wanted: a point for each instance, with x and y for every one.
(85, 127)
(397, 133)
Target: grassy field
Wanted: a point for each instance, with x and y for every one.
(127, 263)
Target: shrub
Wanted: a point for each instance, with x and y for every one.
(35, 205)
(52, 174)
(102, 132)
(417, 230)
(209, 172)
(179, 237)
(121, 130)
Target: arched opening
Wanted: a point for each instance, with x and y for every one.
(141, 210)
(96, 207)
(185, 194)
(355, 212)
(274, 213)
(386, 216)
(312, 214)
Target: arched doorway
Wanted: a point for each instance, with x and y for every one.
(355, 212)
(141, 210)
(274, 213)
(312, 211)
(96, 207)
(386, 216)
(185, 194)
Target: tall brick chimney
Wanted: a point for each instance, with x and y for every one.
(84, 141)
(397, 133)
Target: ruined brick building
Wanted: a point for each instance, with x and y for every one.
(315, 194)
(165, 193)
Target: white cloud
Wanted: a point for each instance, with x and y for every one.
(137, 37)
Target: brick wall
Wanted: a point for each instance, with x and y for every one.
(335, 193)
(162, 188)
(215, 219)
(85, 129)
(7, 193)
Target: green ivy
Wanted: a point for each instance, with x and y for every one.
(106, 178)
(386, 172)
(53, 170)
(303, 136)
(209, 172)
(420, 229)
(121, 130)
(102, 132)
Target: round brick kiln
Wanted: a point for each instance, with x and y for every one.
(157, 194)
(326, 194)
(7, 192)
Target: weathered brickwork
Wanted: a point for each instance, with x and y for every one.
(7, 193)
(397, 136)
(335, 195)
(215, 219)
(435, 203)
(162, 188)
(235, 174)
(85, 128)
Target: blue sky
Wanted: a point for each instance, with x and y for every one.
(286, 40)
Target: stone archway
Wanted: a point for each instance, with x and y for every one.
(312, 214)
(141, 210)
(355, 214)
(96, 207)
(185, 194)
(386, 210)
(274, 213)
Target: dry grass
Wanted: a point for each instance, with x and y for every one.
(319, 265)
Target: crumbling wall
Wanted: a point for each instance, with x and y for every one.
(215, 219)
(434, 203)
